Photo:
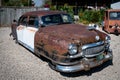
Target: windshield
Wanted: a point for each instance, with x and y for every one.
(56, 19)
(114, 15)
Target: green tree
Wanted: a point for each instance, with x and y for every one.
(17, 2)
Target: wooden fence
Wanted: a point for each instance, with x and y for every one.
(7, 14)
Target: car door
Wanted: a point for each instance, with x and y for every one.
(29, 32)
(20, 29)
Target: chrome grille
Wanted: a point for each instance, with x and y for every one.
(91, 51)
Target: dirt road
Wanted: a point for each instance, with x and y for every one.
(17, 63)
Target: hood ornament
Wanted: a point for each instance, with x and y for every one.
(91, 28)
(97, 38)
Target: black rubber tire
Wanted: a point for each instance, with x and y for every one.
(52, 66)
(103, 28)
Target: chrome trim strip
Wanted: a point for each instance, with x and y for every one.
(92, 45)
(84, 66)
(94, 54)
(25, 45)
(69, 68)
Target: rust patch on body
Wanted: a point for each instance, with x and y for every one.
(20, 27)
(57, 38)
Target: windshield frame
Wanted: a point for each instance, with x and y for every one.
(59, 19)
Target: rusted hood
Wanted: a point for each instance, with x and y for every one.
(72, 33)
(56, 38)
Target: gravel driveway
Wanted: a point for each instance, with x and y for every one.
(17, 63)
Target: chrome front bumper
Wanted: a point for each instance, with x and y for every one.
(86, 64)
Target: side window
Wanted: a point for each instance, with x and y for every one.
(113, 15)
(47, 20)
(33, 22)
(119, 15)
(56, 19)
(52, 19)
(67, 18)
(23, 20)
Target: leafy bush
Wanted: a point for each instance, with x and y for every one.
(91, 16)
(66, 8)
(86, 17)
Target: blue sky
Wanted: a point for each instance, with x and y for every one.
(38, 3)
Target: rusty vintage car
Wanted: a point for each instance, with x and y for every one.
(69, 47)
(112, 21)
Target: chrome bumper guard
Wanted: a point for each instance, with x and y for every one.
(85, 63)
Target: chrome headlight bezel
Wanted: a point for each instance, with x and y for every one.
(72, 48)
(107, 42)
(107, 39)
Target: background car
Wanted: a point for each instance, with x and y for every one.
(112, 21)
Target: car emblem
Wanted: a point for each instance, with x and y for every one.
(97, 38)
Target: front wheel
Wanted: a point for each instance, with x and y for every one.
(116, 32)
(103, 28)
(52, 66)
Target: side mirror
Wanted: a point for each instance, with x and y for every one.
(14, 22)
(42, 25)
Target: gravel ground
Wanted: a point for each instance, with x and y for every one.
(17, 63)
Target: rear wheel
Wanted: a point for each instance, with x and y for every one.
(116, 32)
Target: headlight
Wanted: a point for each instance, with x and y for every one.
(72, 49)
(107, 39)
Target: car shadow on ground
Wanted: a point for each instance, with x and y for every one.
(116, 34)
(113, 34)
(90, 72)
